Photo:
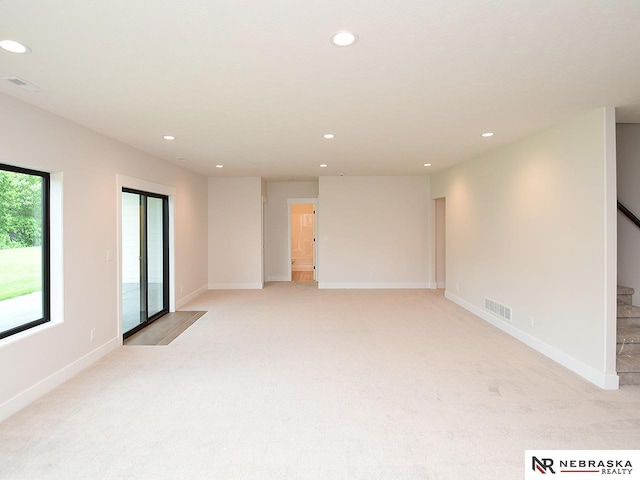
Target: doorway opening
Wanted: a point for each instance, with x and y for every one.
(145, 259)
(302, 253)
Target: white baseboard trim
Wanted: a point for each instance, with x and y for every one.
(56, 379)
(600, 379)
(278, 278)
(184, 300)
(235, 286)
(373, 285)
(441, 285)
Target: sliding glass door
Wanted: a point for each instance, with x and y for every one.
(145, 259)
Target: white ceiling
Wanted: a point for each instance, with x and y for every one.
(255, 84)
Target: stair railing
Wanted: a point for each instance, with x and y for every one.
(627, 213)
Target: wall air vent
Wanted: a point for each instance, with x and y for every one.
(30, 87)
(498, 309)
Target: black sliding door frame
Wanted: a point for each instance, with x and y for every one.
(145, 319)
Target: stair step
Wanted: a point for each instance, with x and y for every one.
(629, 378)
(625, 295)
(624, 299)
(626, 323)
(628, 363)
(628, 348)
(625, 290)
(628, 335)
(628, 311)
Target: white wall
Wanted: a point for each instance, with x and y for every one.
(374, 232)
(33, 362)
(628, 144)
(278, 267)
(235, 232)
(527, 226)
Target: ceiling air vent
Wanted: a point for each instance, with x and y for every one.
(30, 87)
(498, 309)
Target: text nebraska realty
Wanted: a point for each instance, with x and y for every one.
(605, 467)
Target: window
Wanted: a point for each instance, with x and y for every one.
(24, 249)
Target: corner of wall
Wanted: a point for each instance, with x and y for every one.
(191, 296)
(611, 243)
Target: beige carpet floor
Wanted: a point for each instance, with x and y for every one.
(292, 382)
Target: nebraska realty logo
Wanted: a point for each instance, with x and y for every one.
(582, 464)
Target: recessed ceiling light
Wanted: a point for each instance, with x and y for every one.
(487, 134)
(329, 136)
(427, 164)
(181, 159)
(14, 47)
(219, 166)
(344, 38)
(323, 165)
(169, 137)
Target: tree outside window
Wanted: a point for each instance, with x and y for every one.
(23, 249)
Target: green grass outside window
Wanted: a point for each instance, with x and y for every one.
(20, 271)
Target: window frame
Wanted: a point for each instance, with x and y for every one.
(46, 249)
